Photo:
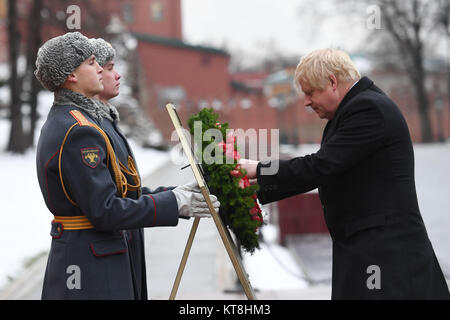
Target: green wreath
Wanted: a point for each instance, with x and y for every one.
(239, 208)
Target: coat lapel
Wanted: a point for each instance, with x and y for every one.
(325, 131)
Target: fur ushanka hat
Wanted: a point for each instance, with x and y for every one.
(59, 56)
(103, 51)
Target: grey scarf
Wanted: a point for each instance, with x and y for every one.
(96, 108)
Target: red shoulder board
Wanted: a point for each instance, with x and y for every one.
(81, 119)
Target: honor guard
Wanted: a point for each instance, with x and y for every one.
(90, 182)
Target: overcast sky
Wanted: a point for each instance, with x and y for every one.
(259, 26)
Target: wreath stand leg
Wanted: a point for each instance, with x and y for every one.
(187, 250)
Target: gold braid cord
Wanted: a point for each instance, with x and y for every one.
(117, 167)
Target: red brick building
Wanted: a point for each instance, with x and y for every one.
(3, 32)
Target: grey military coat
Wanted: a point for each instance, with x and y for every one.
(106, 261)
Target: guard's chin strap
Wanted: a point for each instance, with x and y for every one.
(117, 167)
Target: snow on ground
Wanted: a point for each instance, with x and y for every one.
(273, 267)
(433, 191)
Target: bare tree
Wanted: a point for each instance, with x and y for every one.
(444, 22)
(33, 43)
(17, 141)
(408, 32)
(410, 24)
(25, 87)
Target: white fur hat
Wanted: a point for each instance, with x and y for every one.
(59, 56)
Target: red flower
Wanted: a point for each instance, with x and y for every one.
(257, 218)
(244, 182)
(254, 211)
(223, 145)
(229, 151)
(218, 125)
(231, 139)
(235, 173)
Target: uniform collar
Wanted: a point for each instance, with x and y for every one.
(110, 112)
(95, 108)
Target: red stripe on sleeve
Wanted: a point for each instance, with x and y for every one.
(154, 203)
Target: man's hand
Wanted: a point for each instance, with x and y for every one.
(250, 166)
(191, 202)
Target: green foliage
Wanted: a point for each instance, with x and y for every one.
(237, 198)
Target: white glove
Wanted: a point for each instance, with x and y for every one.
(191, 202)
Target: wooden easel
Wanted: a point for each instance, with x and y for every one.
(223, 231)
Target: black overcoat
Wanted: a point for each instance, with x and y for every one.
(364, 170)
(108, 260)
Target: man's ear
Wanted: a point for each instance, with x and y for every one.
(70, 81)
(72, 78)
(333, 82)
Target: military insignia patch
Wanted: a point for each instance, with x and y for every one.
(90, 156)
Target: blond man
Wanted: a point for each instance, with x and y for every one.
(364, 171)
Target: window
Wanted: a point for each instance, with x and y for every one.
(156, 11)
(203, 104)
(217, 104)
(246, 103)
(205, 60)
(3, 10)
(128, 14)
